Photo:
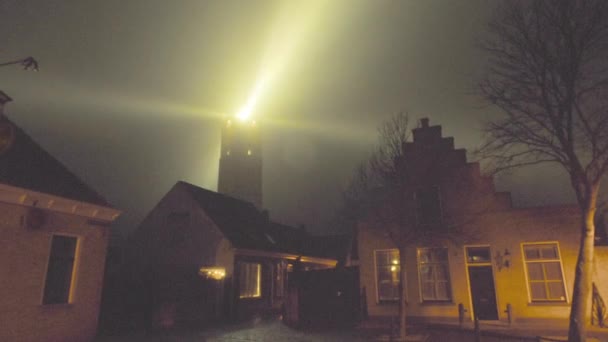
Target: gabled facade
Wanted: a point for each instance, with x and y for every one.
(201, 256)
(53, 236)
(512, 264)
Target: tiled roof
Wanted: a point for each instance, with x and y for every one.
(27, 165)
(249, 228)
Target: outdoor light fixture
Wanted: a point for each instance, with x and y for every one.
(502, 260)
(215, 273)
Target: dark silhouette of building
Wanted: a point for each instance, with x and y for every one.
(240, 173)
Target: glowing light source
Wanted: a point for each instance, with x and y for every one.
(247, 109)
(216, 273)
(393, 268)
(285, 39)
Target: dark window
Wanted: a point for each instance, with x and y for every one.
(281, 278)
(60, 269)
(428, 204)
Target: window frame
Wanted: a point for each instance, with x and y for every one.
(259, 280)
(74, 270)
(449, 278)
(527, 276)
(377, 280)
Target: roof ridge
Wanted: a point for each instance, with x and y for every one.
(22, 140)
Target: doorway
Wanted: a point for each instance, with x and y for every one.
(481, 282)
(483, 292)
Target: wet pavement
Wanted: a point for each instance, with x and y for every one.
(261, 330)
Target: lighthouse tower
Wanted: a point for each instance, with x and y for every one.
(240, 173)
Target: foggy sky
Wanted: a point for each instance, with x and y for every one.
(130, 94)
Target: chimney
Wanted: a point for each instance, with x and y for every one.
(424, 122)
(4, 99)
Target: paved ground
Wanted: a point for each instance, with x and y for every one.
(258, 330)
(273, 330)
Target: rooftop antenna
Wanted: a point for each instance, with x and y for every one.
(7, 129)
(28, 63)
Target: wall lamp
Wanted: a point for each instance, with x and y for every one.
(502, 260)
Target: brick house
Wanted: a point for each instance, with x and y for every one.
(54, 233)
(513, 265)
(200, 256)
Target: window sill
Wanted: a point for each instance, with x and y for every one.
(438, 303)
(548, 304)
(57, 306)
(388, 302)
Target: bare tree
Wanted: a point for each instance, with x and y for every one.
(548, 73)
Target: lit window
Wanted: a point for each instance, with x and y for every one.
(544, 269)
(434, 274)
(248, 152)
(60, 269)
(478, 255)
(250, 276)
(428, 206)
(388, 272)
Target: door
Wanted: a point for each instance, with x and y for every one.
(483, 292)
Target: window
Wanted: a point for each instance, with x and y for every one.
(478, 255)
(388, 272)
(60, 268)
(280, 278)
(428, 206)
(434, 274)
(250, 276)
(544, 269)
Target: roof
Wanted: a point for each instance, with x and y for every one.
(328, 246)
(27, 165)
(249, 228)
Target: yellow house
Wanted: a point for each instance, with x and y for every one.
(513, 265)
(53, 235)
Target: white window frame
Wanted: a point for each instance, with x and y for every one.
(75, 267)
(561, 265)
(451, 294)
(378, 300)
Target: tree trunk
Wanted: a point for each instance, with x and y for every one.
(402, 297)
(581, 297)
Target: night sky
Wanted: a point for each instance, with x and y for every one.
(130, 94)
